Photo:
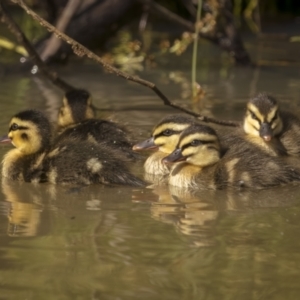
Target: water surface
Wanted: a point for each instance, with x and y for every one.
(120, 243)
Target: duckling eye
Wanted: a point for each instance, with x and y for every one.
(274, 118)
(14, 127)
(167, 132)
(195, 143)
(253, 116)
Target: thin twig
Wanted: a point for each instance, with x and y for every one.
(17, 32)
(82, 51)
(53, 43)
(195, 49)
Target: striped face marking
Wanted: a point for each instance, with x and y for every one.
(25, 136)
(264, 125)
(200, 149)
(166, 136)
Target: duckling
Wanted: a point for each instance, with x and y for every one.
(275, 131)
(77, 121)
(70, 162)
(30, 133)
(76, 107)
(164, 138)
(202, 164)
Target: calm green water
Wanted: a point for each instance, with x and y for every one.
(121, 243)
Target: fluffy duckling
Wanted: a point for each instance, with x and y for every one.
(275, 131)
(77, 121)
(76, 107)
(30, 133)
(70, 162)
(164, 138)
(202, 165)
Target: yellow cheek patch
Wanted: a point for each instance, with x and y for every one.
(66, 118)
(167, 144)
(191, 151)
(34, 141)
(89, 114)
(251, 126)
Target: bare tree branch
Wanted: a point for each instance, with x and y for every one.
(82, 51)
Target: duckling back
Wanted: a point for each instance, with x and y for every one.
(87, 163)
(290, 135)
(102, 132)
(253, 168)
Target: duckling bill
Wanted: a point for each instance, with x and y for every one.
(148, 144)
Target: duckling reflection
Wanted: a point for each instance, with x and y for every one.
(76, 121)
(197, 214)
(202, 165)
(164, 138)
(275, 131)
(26, 207)
(193, 214)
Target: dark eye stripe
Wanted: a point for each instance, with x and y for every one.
(274, 118)
(162, 133)
(254, 117)
(190, 144)
(19, 127)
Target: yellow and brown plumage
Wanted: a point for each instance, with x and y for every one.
(30, 133)
(275, 131)
(76, 107)
(77, 121)
(163, 140)
(87, 163)
(35, 159)
(201, 163)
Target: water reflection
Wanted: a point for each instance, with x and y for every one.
(197, 213)
(118, 243)
(24, 208)
(162, 243)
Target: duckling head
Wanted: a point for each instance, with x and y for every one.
(166, 133)
(262, 118)
(198, 145)
(29, 131)
(76, 107)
